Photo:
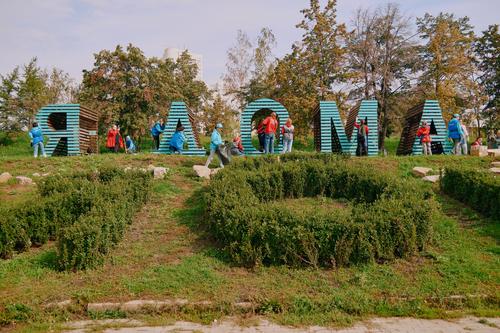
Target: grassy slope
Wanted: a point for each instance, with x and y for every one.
(165, 255)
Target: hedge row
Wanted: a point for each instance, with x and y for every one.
(85, 212)
(477, 188)
(388, 218)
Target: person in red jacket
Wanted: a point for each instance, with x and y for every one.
(424, 133)
(114, 141)
(270, 127)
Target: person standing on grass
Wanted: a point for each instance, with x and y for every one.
(176, 144)
(270, 127)
(261, 135)
(114, 140)
(362, 135)
(215, 142)
(424, 133)
(455, 134)
(464, 139)
(157, 129)
(287, 131)
(36, 137)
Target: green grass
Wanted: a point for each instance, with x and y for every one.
(165, 254)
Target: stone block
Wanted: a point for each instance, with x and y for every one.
(5, 177)
(159, 172)
(202, 171)
(432, 179)
(24, 180)
(421, 171)
(495, 170)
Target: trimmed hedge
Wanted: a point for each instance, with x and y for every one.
(477, 188)
(388, 218)
(85, 212)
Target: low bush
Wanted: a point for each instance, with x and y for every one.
(85, 212)
(388, 218)
(477, 188)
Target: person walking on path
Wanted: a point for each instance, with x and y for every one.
(362, 135)
(157, 129)
(114, 141)
(464, 139)
(36, 137)
(424, 133)
(270, 127)
(176, 144)
(455, 134)
(215, 142)
(287, 131)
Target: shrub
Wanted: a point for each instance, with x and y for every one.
(476, 188)
(389, 218)
(86, 213)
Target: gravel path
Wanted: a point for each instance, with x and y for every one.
(377, 325)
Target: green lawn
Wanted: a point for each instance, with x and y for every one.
(165, 255)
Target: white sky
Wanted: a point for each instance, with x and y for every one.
(66, 33)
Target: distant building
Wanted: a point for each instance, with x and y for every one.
(174, 54)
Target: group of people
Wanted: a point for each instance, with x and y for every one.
(114, 141)
(266, 132)
(457, 133)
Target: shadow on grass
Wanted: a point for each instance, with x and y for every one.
(47, 259)
(194, 218)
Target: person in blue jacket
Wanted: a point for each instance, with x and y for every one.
(130, 145)
(36, 137)
(455, 134)
(176, 144)
(156, 130)
(215, 141)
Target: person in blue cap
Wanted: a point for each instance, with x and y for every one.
(455, 134)
(215, 142)
(36, 137)
(176, 143)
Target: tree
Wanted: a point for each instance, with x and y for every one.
(23, 93)
(487, 49)
(238, 68)
(216, 111)
(447, 59)
(321, 47)
(128, 88)
(382, 58)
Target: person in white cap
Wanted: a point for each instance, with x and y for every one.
(215, 141)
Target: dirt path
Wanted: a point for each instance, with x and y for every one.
(377, 325)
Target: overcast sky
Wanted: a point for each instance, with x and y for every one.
(66, 33)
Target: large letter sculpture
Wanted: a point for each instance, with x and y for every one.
(430, 112)
(246, 122)
(180, 115)
(71, 129)
(330, 134)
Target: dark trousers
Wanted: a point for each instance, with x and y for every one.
(262, 141)
(156, 141)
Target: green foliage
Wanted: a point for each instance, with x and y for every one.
(487, 49)
(23, 93)
(131, 89)
(388, 219)
(86, 212)
(476, 188)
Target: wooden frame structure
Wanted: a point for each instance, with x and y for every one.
(429, 111)
(71, 129)
(179, 114)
